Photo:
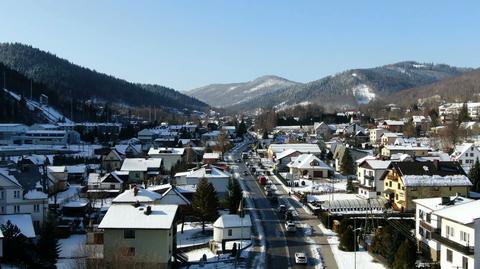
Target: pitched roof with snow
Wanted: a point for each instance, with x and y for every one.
(286, 153)
(302, 148)
(35, 195)
(436, 181)
(211, 172)
(170, 151)
(308, 161)
(126, 216)
(464, 213)
(142, 196)
(232, 221)
(141, 164)
(376, 164)
(461, 149)
(22, 221)
(212, 155)
(435, 203)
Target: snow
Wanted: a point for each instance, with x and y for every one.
(63, 197)
(346, 260)
(71, 249)
(322, 187)
(363, 93)
(192, 234)
(121, 216)
(436, 180)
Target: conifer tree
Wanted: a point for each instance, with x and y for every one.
(346, 166)
(234, 196)
(405, 256)
(205, 202)
(474, 175)
(48, 245)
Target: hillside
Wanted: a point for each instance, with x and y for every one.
(73, 82)
(355, 87)
(224, 95)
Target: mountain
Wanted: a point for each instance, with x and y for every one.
(458, 89)
(225, 95)
(354, 87)
(72, 82)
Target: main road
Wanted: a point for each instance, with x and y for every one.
(280, 246)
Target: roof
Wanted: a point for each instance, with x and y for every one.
(211, 172)
(308, 161)
(35, 195)
(143, 196)
(376, 164)
(461, 149)
(407, 147)
(302, 148)
(22, 221)
(169, 151)
(286, 153)
(464, 213)
(427, 168)
(394, 122)
(212, 155)
(435, 203)
(9, 178)
(126, 216)
(141, 164)
(232, 221)
(436, 181)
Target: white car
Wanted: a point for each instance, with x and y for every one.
(300, 258)
(290, 226)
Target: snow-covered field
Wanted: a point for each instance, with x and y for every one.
(192, 234)
(346, 260)
(70, 250)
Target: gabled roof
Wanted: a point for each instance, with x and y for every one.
(126, 216)
(232, 221)
(111, 178)
(8, 180)
(212, 155)
(205, 172)
(308, 161)
(286, 153)
(427, 168)
(142, 196)
(375, 164)
(465, 213)
(141, 164)
(461, 149)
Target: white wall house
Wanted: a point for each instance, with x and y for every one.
(369, 173)
(232, 227)
(216, 176)
(170, 156)
(466, 154)
(308, 166)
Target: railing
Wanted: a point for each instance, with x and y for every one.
(467, 250)
(369, 177)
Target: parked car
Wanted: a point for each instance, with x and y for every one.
(245, 173)
(282, 209)
(290, 226)
(300, 258)
(262, 180)
(274, 200)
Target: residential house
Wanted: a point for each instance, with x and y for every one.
(450, 110)
(369, 173)
(285, 157)
(466, 154)
(407, 181)
(10, 132)
(310, 167)
(388, 138)
(232, 227)
(375, 135)
(274, 149)
(395, 126)
(412, 150)
(141, 170)
(169, 156)
(212, 174)
(421, 124)
(356, 154)
(112, 161)
(322, 129)
(139, 236)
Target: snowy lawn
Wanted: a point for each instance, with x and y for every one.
(70, 251)
(192, 234)
(346, 260)
(70, 194)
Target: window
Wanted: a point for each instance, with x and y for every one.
(16, 209)
(398, 185)
(2, 195)
(3, 210)
(464, 236)
(129, 234)
(450, 231)
(16, 194)
(464, 262)
(427, 235)
(449, 255)
(36, 208)
(112, 186)
(429, 217)
(229, 232)
(421, 231)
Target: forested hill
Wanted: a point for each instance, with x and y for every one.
(71, 81)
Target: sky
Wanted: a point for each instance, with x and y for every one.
(188, 44)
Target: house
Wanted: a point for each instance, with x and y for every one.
(466, 154)
(388, 138)
(14, 201)
(353, 128)
(369, 173)
(22, 221)
(129, 150)
(169, 156)
(375, 135)
(170, 195)
(112, 161)
(407, 181)
(139, 236)
(10, 132)
(427, 223)
(211, 158)
(457, 235)
(450, 110)
(395, 126)
(110, 183)
(323, 130)
(232, 227)
(285, 157)
(274, 149)
(412, 150)
(212, 174)
(356, 154)
(310, 167)
(140, 169)
(421, 123)
(229, 130)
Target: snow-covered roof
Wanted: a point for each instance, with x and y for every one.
(393, 122)
(35, 195)
(435, 203)
(464, 213)
(435, 180)
(308, 161)
(93, 178)
(56, 169)
(407, 147)
(286, 153)
(212, 155)
(378, 164)
(211, 172)
(77, 203)
(9, 178)
(232, 221)
(302, 148)
(170, 151)
(461, 149)
(126, 216)
(143, 196)
(141, 164)
(368, 157)
(22, 221)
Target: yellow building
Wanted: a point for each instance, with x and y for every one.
(417, 151)
(406, 181)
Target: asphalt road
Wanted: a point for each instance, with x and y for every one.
(281, 245)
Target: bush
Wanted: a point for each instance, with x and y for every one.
(347, 240)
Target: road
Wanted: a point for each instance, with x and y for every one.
(281, 246)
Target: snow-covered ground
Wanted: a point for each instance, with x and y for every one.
(71, 251)
(71, 194)
(346, 260)
(192, 234)
(334, 196)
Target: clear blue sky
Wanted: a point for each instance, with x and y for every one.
(187, 44)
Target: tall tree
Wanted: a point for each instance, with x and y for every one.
(463, 115)
(347, 239)
(48, 246)
(405, 256)
(234, 196)
(205, 202)
(346, 165)
(409, 129)
(474, 175)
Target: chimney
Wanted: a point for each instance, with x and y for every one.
(436, 164)
(136, 204)
(445, 200)
(148, 211)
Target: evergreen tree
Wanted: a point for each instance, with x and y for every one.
(409, 129)
(48, 246)
(234, 196)
(463, 114)
(346, 166)
(405, 256)
(350, 188)
(205, 202)
(347, 239)
(242, 129)
(474, 175)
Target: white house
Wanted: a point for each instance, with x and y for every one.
(369, 173)
(427, 223)
(232, 227)
(310, 167)
(465, 154)
(170, 156)
(275, 149)
(216, 176)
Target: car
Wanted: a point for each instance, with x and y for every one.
(238, 161)
(290, 226)
(282, 209)
(245, 173)
(300, 258)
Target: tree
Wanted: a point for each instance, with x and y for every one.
(409, 129)
(346, 166)
(205, 202)
(347, 239)
(405, 256)
(474, 175)
(48, 246)
(350, 188)
(234, 196)
(242, 129)
(463, 115)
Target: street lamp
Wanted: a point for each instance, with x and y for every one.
(355, 242)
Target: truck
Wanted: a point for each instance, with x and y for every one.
(262, 180)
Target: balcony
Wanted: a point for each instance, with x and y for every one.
(369, 177)
(467, 250)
